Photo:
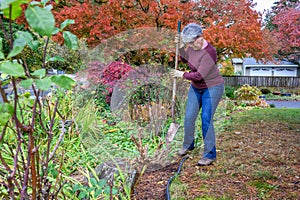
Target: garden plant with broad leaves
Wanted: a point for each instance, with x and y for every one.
(32, 126)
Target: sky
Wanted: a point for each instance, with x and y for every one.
(263, 4)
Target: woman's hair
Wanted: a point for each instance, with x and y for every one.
(191, 32)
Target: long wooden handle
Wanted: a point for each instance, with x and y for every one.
(174, 79)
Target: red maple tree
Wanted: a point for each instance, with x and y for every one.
(235, 28)
(100, 22)
(285, 17)
(231, 26)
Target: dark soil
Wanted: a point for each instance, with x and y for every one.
(257, 161)
(152, 185)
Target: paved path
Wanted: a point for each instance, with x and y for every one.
(285, 104)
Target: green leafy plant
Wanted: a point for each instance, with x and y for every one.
(59, 57)
(95, 188)
(33, 126)
(229, 92)
(5, 29)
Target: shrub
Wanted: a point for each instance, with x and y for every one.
(108, 75)
(34, 58)
(265, 91)
(59, 57)
(71, 62)
(247, 92)
(227, 68)
(229, 92)
(272, 105)
(148, 56)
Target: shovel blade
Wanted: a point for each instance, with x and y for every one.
(172, 132)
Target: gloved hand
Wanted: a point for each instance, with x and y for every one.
(176, 73)
(178, 41)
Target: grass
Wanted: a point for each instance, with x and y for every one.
(178, 189)
(98, 140)
(264, 174)
(93, 140)
(263, 188)
(203, 175)
(289, 116)
(212, 198)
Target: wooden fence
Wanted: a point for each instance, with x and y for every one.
(267, 81)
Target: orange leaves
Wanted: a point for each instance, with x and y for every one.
(99, 22)
(233, 28)
(230, 25)
(81, 13)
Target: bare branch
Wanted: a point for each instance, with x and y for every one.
(10, 29)
(3, 29)
(45, 53)
(61, 137)
(3, 132)
(3, 94)
(4, 163)
(25, 65)
(10, 185)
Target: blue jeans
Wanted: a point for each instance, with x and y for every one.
(207, 99)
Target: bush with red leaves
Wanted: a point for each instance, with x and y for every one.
(107, 75)
(113, 72)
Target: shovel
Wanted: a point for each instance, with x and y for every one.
(174, 126)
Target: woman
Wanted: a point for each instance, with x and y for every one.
(206, 89)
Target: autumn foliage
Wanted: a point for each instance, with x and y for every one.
(285, 17)
(234, 28)
(231, 25)
(100, 22)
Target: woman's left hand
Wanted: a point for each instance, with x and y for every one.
(176, 73)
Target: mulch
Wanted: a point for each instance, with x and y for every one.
(152, 185)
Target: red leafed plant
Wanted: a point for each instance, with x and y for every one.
(108, 75)
(113, 72)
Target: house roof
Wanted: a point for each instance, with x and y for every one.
(252, 62)
(237, 60)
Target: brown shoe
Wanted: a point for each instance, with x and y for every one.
(205, 161)
(183, 151)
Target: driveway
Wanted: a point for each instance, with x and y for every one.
(284, 104)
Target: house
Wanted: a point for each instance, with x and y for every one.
(251, 67)
(238, 66)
